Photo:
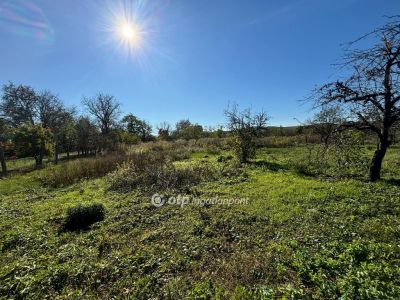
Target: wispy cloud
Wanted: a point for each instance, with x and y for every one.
(279, 12)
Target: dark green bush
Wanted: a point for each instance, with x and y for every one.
(82, 216)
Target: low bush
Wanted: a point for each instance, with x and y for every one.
(153, 171)
(156, 173)
(345, 156)
(82, 216)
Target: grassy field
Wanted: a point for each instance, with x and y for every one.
(297, 237)
(27, 164)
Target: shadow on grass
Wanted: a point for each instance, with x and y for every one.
(268, 165)
(392, 181)
(276, 167)
(304, 171)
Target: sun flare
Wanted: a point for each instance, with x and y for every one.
(130, 35)
(131, 29)
(129, 32)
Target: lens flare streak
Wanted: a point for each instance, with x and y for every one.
(25, 19)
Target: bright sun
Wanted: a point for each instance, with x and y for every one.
(128, 32)
(128, 28)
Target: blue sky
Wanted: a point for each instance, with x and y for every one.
(194, 56)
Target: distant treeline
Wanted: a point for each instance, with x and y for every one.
(38, 124)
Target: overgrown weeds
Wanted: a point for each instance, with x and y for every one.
(85, 168)
(156, 172)
(185, 147)
(296, 238)
(154, 158)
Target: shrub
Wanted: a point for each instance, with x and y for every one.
(349, 154)
(245, 128)
(232, 169)
(343, 156)
(82, 216)
(156, 173)
(152, 171)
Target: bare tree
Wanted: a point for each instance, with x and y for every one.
(164, 130)
(245, 127)
(327, 122)
(371, 94)
(105, 109)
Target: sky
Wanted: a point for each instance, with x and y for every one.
(188, 58)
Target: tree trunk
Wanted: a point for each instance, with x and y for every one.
(3, 162)
(56, 154)
(39, 160)
(376, 163)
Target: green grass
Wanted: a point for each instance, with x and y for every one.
(298, 237)
(21, 163)
(28, 163)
